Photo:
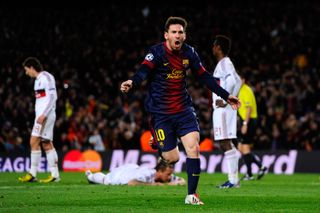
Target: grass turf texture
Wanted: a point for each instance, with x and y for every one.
(274, 193)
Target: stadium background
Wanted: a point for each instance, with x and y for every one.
(90, 51)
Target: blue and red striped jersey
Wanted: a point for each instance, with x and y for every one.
(165, 71)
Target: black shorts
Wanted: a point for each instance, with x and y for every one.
(167, 128)
(248, 138)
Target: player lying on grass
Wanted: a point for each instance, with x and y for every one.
(132, 174)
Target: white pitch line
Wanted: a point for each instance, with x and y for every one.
(56, 186)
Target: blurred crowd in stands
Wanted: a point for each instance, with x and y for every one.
(90, 51)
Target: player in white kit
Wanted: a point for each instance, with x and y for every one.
(224, 117)
(132, 174)
(45, 116)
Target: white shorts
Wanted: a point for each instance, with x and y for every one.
(44, 131)
(224, 123)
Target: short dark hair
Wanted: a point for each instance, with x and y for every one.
(33, 62)
(163, 165)
(245, 74)
(224, 42)
(175, 20)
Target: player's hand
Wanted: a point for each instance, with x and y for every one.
(178, 182)
(220, 103)
(234, 102)
(244, 129)
(153, 143)
(41, 119)
(126, 86)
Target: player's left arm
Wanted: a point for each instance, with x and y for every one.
(198, 69)
(232, 83)
(214, 87)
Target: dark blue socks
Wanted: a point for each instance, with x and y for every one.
(193, 170)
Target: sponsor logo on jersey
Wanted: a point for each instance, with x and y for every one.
(175, 74)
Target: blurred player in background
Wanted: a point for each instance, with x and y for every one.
(224, 117)
(248, 119)
(42, 132)
(168, 102)
(132, 174)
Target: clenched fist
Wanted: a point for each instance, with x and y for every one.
(126, 86)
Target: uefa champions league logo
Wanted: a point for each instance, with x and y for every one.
(149, 57)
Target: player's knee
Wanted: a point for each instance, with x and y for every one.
(226, 145)
(35, 143)
(192, 150)
(46, 145)
(172, 159)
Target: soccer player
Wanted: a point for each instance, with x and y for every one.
(168, 102)
(224, 117)
(248, 119)
(132, 174)
(42, 132)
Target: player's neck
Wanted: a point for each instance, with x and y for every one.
(220, 57)
(36, 74)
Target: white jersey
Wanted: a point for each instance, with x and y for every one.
(46, 94)
(225, 118)
(123, 174)
(227, 78)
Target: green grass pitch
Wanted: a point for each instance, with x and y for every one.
(274, 193)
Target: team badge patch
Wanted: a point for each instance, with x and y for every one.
(149, 57)
(185, 62)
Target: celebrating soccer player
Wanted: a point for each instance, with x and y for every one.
(168, 102)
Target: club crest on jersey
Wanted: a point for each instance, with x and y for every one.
(185, 62)
(149, 57)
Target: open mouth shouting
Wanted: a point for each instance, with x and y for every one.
(177, 45)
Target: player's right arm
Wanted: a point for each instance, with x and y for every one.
(142, 73)
(126, 86)
(135, 80)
